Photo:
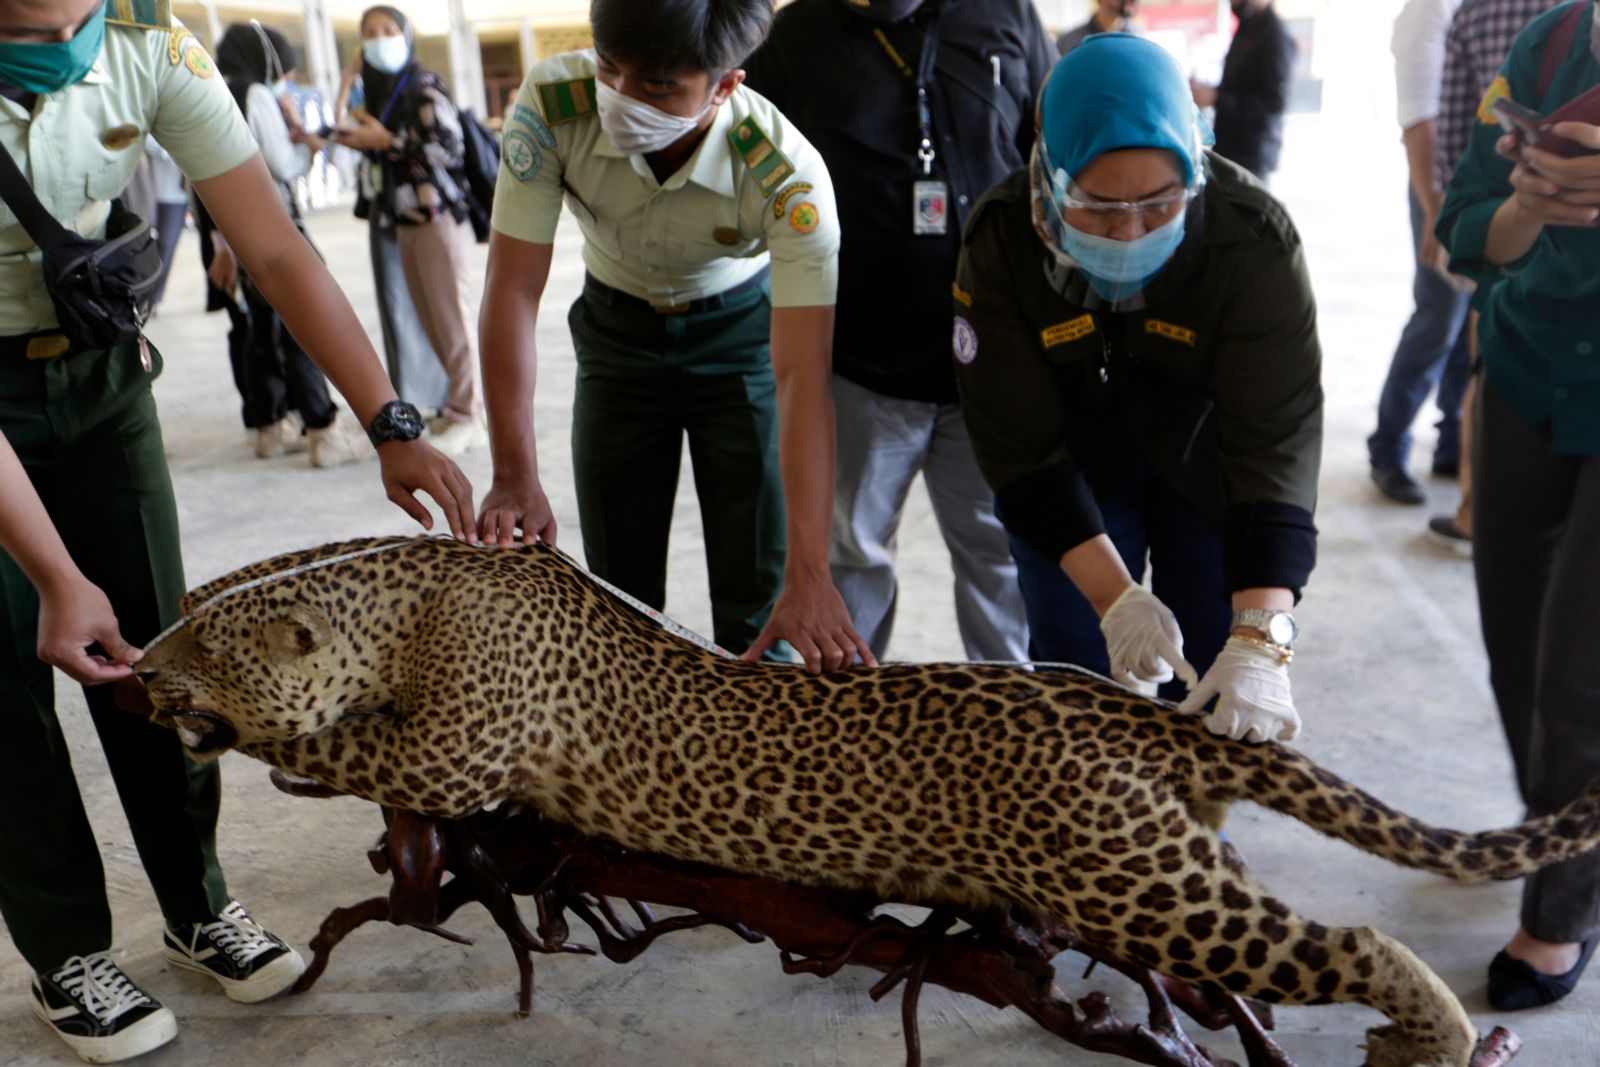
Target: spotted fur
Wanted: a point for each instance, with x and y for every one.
(439, 678)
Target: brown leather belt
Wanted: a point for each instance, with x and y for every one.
(36, 346)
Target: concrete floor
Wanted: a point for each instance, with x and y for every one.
(1390, 679)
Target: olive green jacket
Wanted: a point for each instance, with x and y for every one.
(1215, 382)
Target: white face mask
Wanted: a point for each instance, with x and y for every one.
(388, 54)
(637, 128)
(280, 87)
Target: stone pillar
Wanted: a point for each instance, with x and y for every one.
(321, 64)
(466, 60)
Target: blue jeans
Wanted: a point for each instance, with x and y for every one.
(1432, 352)
(1145, 519)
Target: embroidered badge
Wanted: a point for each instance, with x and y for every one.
(780, 204)
(1071, 330)
(522, 156)
(805, 217)
(964, 343)
(1169, 331)
(198, 62)
(566, 101)
(768, 166)
(530, 118)
(1497, 89)
(962, 297)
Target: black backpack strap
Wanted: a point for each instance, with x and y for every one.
(1558, 44)
(42, 226)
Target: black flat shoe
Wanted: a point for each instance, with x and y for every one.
(1397, 484)
(1515, 986)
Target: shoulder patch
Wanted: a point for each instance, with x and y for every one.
(781, 202)
(566, 101)
(198, 60)
(961, 296)
(141, 14)
(180, 34)
(1071, 330)
(768, 165)
(1499, 89)
(522, 157)
(530, 118)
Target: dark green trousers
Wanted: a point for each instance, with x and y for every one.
(85, 428)
(645, 383)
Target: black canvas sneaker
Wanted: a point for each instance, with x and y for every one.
(249, 963)
(99, 1012)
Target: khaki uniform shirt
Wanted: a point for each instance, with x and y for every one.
(79, 147)
(704, 230)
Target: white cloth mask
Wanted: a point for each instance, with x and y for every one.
(388, 54)
(637, 128)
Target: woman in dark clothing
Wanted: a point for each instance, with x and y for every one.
(412, 179)
(276, 374)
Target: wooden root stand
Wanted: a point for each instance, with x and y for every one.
(1003, 960)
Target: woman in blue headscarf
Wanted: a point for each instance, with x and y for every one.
(1136, 345)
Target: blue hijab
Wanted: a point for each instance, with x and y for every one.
(1115, 91)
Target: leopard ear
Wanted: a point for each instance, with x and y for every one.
(299, 631)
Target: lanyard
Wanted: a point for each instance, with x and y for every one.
(394, 97)
(924, 75)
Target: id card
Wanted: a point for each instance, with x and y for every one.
(930, 216)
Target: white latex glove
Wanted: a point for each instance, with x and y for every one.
(1252, 690)
(1143, 639)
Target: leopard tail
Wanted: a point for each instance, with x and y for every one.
(1290, 783)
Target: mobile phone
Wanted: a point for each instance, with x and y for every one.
(1534, 129)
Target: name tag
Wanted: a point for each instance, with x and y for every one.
(1169, 331)
(1071, 330)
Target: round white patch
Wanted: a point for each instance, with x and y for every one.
(965, 341)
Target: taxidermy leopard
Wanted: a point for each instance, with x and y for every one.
(440, 678)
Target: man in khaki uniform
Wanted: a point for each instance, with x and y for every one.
(680, 179)
(90, 527)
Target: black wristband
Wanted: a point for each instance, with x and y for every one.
(1052, 509)
(1268, 545)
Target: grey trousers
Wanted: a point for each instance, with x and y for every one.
(1536, 550)
(418, 375)
(883, 443)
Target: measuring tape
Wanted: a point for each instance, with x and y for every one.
(671, 625)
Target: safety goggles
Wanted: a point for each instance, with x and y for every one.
(1066, 195)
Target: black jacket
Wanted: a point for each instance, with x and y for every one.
(828, 73)
(1216, 381)
(1254, 92)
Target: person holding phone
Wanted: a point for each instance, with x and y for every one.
(1524, 223)
(412, 178)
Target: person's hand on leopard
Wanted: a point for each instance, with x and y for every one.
(1143, 639)
(1250, 682)
(410, 466)
(516, 511)
(811, 616)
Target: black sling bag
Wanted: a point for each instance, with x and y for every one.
(101, 289)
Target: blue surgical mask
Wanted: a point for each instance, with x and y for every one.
(280, 87)
(388, 54)
(1119, 269)
(52, 66)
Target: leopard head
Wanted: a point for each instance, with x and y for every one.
(269, 664)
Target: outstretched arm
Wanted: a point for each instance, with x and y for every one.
(73, 612)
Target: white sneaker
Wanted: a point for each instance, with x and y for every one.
(249, 963)
(98, 1011)
(280, 437)
(454, 436)
(337, 444)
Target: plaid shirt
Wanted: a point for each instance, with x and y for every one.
(1479, 40)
